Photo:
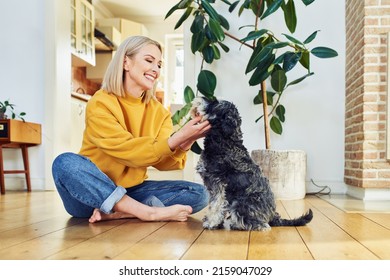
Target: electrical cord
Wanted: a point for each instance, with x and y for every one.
(325, 190)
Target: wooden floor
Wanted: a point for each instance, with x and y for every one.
(35, 226)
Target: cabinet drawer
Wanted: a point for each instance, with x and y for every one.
(16, 131)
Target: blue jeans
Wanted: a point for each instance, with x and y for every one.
(83, 187)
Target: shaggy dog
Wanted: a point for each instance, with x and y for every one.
(240, 195)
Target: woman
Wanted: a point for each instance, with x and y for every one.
(127, 130)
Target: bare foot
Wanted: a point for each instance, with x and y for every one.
(98, 216)
(178, 213)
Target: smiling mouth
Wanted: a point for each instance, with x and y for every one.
(150, 77)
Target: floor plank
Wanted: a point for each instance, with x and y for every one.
(36, 226)
(56, 241)
(219, 245)
(363, 230)
(170, 242)
(325, 239)
(111, 243)
(280, 243)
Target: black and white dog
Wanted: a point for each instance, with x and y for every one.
(240, 195)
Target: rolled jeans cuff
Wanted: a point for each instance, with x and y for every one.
(114, 197)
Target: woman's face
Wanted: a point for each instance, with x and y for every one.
(142, 70)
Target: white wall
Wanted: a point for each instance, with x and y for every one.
(35, 75)
(314, 108)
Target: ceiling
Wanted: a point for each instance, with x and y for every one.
(138, 8)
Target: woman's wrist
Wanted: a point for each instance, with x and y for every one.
(174, 141)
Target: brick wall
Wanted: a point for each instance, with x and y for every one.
(367, 24)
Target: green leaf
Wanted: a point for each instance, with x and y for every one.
(290, 16)
(217, 53)
(257, 7)
(175, 118)
(272, 8)
(197, 24)
(290, 60)
(209, 34)
(292, 39)
(280, 112)
(207, 82)
(311, 37)
(278, 80)
(262, 72)
(216, 28)
(184, 4)
(210, 10)
(254, 35)
(185, 15)
(307, 2)
(259, 98)
(279, 59)
(277, 45)
(224, 23)
(172, 10)
(197, 41)
(188, 94)
(185, 110)
(300, 79)
(276, 125)
(233, 6)
(224, 47)
(324, 52)
(305, 60)
(226, 2)
(208, 54)
(258, 56)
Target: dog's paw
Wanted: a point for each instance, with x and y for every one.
(208, 225)
(262, 227)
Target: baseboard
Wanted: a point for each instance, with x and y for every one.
(19, 184)
(369, 193)
(334, 187)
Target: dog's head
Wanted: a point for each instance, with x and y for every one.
(222, 115)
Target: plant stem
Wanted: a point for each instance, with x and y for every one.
(238, 40)
(265, 114)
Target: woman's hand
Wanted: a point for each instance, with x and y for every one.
(189, 133)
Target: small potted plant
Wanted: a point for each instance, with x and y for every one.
(7, 106)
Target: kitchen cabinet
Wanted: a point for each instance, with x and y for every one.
(125, 27)
(103, 57)
(82, 33)
(117, 30)
(78, 106)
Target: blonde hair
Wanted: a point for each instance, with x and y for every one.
(113, 78)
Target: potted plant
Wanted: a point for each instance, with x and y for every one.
(272, 60)
(7, 106)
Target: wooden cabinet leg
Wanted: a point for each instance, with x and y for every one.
(26, 166)
(2, 185)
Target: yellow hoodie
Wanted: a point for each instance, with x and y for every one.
(123, 136)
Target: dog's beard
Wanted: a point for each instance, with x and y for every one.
(198, 108)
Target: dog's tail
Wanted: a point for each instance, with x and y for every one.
(277, 221)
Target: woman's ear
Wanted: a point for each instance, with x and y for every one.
(126, 63)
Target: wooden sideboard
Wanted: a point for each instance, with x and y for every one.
(18, 134)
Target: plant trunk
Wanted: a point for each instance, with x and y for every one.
(265, 111)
